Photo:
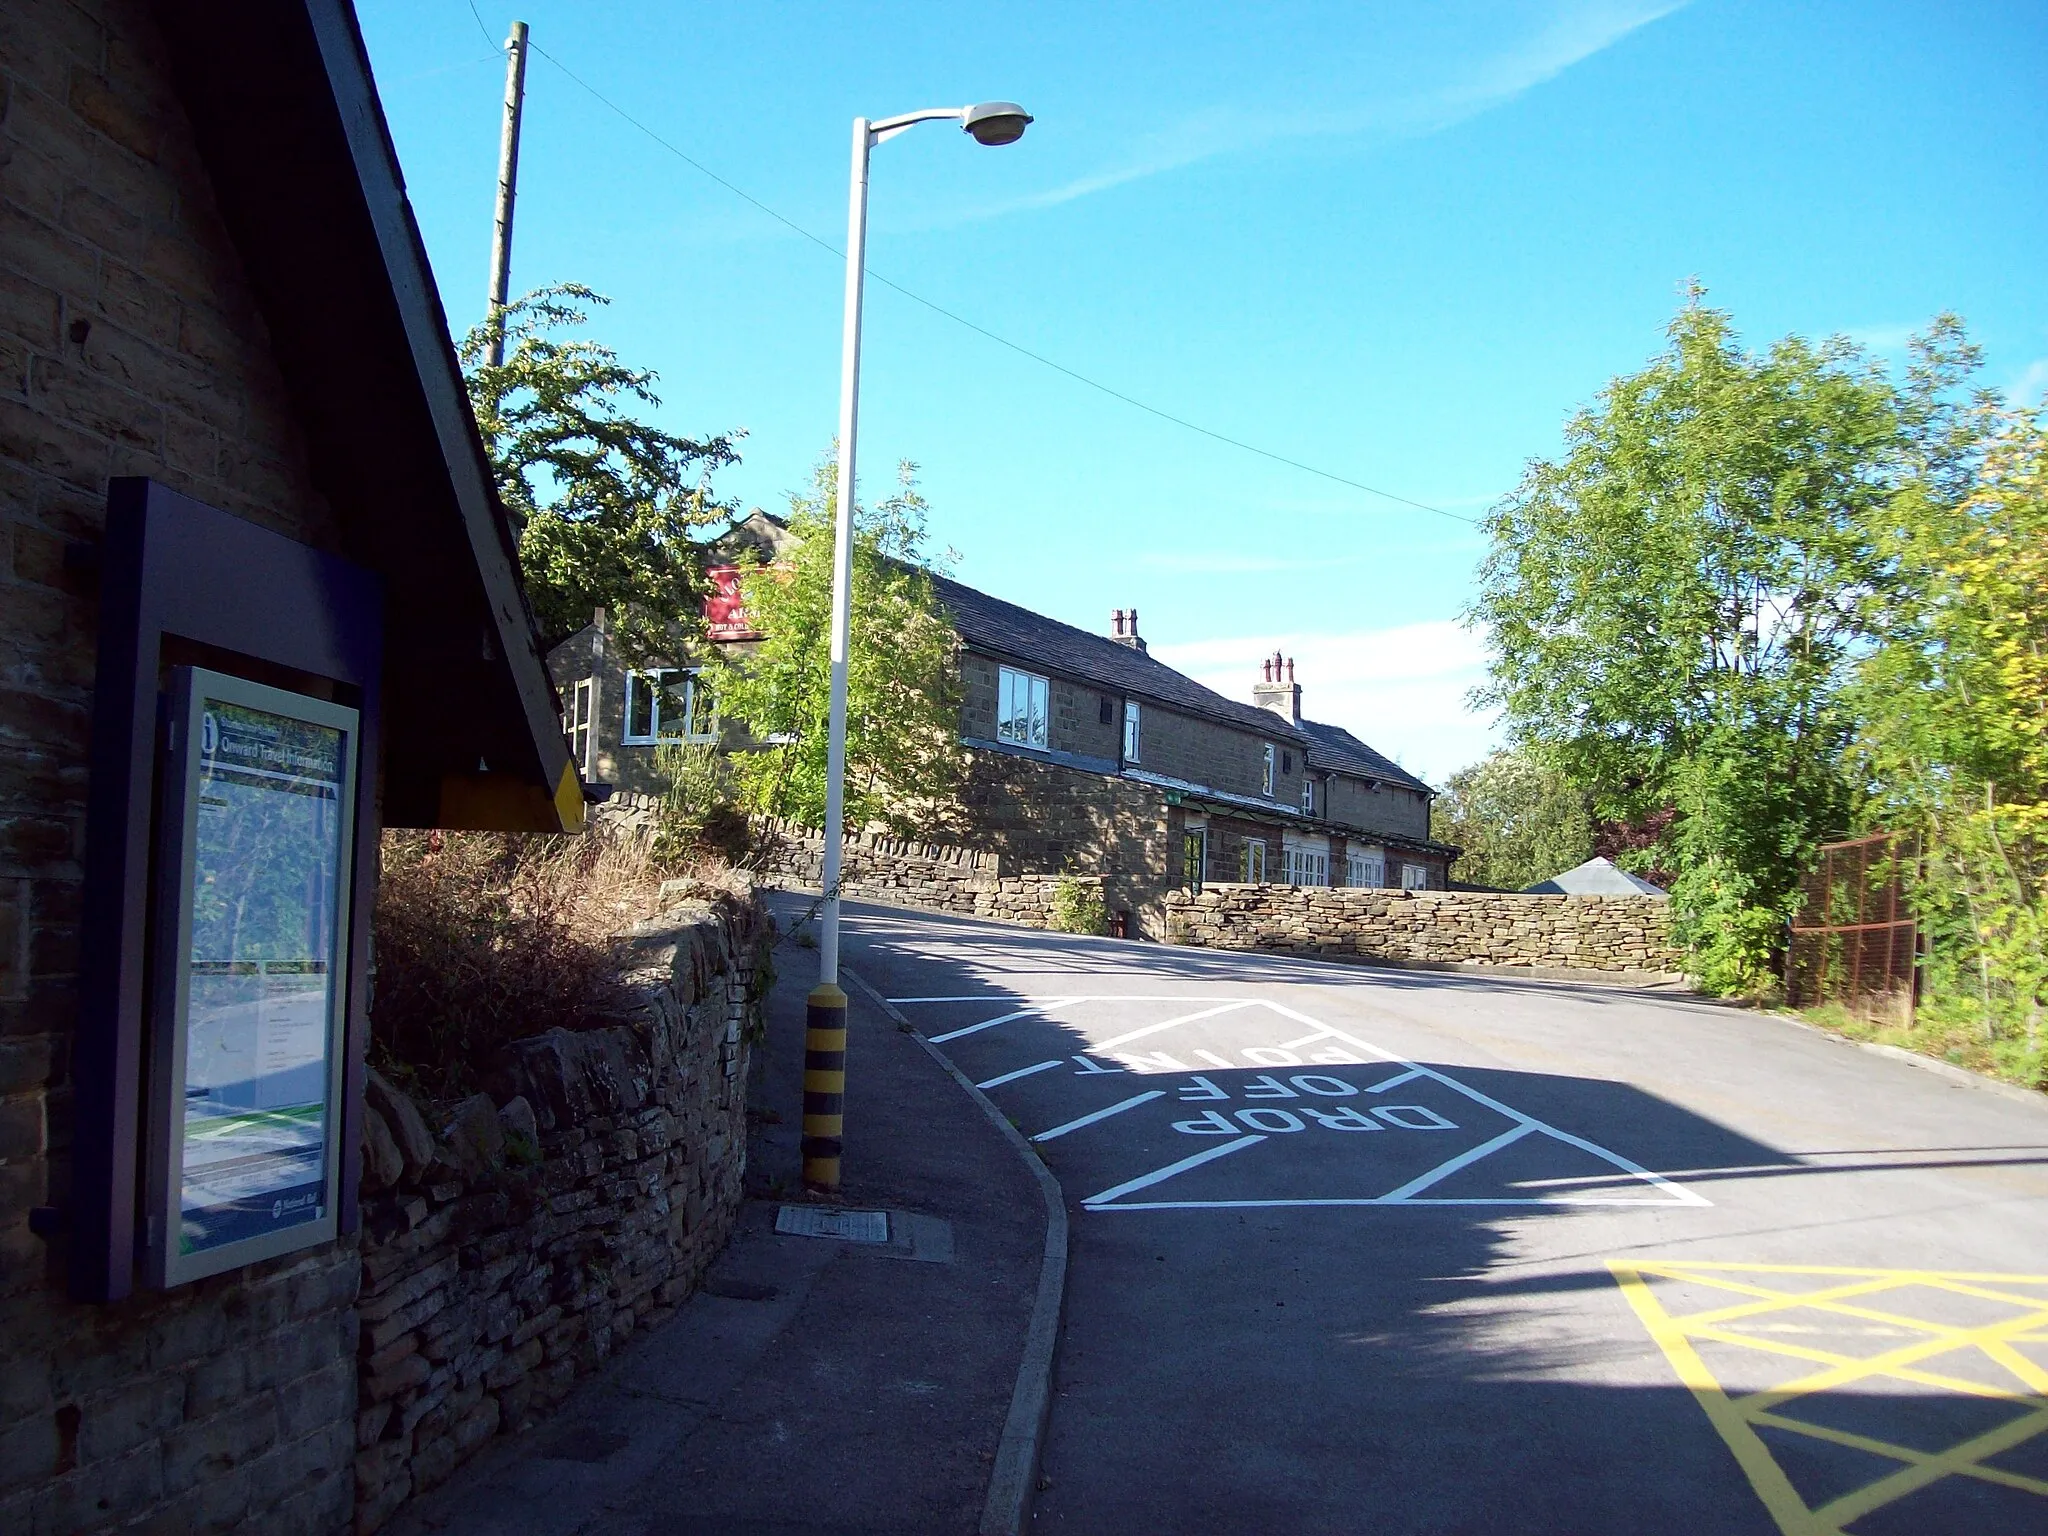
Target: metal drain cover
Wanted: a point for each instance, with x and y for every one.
(828, 1221)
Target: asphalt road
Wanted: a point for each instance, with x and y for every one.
(1369, 1250)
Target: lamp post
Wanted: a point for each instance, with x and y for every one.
(992, 122)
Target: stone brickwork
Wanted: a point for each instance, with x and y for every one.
(1043, 816)
(576, 1203)
(933, 877)
(1392, 808)
(227, 1404)
(1630, 935)
(130, 344)
(1075, 711)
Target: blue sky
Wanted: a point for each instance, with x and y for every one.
(1400, 243)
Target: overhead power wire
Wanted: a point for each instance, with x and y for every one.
(980, 330)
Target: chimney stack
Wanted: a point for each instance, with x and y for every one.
(1126, 629)
(1277, 690)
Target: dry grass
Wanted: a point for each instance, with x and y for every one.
(1937, 1032)
(483, 938)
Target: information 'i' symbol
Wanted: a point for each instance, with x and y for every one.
(209, 733)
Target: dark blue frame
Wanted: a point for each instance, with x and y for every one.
(177, 573)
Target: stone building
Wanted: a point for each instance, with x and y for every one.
(1085, 755)
(233, 437)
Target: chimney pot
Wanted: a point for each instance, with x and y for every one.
(1119, 620)
(1290, 669)
(1134, 621)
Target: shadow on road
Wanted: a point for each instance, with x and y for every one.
(1436, 1363)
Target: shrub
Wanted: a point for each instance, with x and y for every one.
(483, 938)
(699, 814)
(1078, 907)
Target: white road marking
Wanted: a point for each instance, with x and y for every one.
(1103, 997)
(1051, 1006)
(1011, 1077)
(1295, 1045)
(1445, 1169)
(1678, 1193)
(1350, 1202)
(1395, 1081)
(1101, 1114)
(981, 997)
(1407, 1194)
(1186, 1018)
(1146, 1180)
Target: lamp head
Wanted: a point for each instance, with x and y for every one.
(996, 122)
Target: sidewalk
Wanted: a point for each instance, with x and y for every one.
(812, 1385)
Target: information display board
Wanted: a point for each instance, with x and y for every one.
(248, 1029)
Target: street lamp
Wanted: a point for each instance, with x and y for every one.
(989, 122)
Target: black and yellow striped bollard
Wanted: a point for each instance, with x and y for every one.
(824, 1085)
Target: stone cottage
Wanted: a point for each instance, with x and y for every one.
(1084, 755)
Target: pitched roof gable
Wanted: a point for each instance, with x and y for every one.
(289, 125)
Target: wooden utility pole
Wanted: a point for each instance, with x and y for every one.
(508, 180)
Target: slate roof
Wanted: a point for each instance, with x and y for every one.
(1004, 629)
(1331, 746)
(1595, 877)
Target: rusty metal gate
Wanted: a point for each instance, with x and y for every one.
(1854, 940)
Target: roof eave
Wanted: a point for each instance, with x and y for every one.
(286, 114)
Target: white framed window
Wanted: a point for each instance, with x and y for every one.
(1305, 866)
(666, 704)
(1133, 731)
(577, 722)
(1365, 869)
(1251, 862)
(1414, 877)
(1266, 784)
(1194, 856)
(1021, 707)
(1308, 794)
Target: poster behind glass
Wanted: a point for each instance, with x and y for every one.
(264, 780)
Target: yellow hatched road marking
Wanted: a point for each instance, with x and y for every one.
(1737, 1416)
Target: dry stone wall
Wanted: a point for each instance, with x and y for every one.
(1624, 935)
(934, 877)
(576, 1202)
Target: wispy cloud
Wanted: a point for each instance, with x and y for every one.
(1882, 338)
(1403, 689)
(1573, 33)
(2030, 389)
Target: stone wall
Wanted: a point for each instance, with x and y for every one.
(1628, 935)
(500, 1257)
(225, 1404)
(1045, 817)
(576, 1202)
(934, 877)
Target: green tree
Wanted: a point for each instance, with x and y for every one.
(1518, 821)
(1675, 605)
(1954, 741)
(608, 509)
(903, 754)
